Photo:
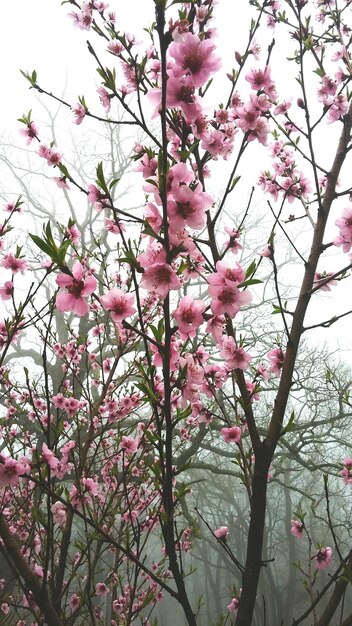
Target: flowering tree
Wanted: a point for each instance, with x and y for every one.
(143, 356)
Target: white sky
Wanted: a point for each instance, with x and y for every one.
(37, 34)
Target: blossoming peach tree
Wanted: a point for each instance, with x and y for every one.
(143, 351)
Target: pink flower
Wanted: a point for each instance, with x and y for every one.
(276, 358)
(188, 207)
(323, 558)
(217, 143)
(50, 458)
(101, 589)
(74, 602)
(232, 243)
(228, 299)
(115, 47)
(30, 133)
(189, 316)
(84, 18)
(297, 528)
(59, 513)
(129, 445)
(53, 157)
(10, 470)
(14, 207)
(10, 262)
(338, 108)
(195, 57)
(233, 606)
(225, 275)
(323, 281)
(215, 326)
(79, 111)
(266, 252)
(346, 472)
(73, 234)
(61, 182)
(221, 532)
(118, 303)
(345, 225)
(77, 288)
(160, 278)
(97, 197)
(260, 79)
(231, 435)
(6, 290)
(105, 98)
(235, 357)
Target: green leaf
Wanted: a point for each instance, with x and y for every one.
(251, 281)
(251, 269)
(234, 183)
(41, 244)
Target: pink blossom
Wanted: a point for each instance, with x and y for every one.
(6, 290)
(217, 143)
(77, 288)
(234, 356)
(323, 558)
(101, 589)
(59, 513)
(260, 79)
(10, 262)
(323, 281)
(188, 207)
(50, 458)
(118, 303)
(297, 528)
(189, 316)
(327, 90)
(221, 532)
(266, 252)
(61, 182)
(129, 445)
(5, 608)
(115, 47)
(160, 278)
(105, 98)
(73, 234)
(79, 112)
(233, 606)
(153, 217)
(215, 326)
(74, 602)
(114, 226)
(228, 299)
(345, 224)
(346, 472)
(53, 157)
(283, 107)
(84, 18)
(96, 197)
(195, 57)
(30, 132)
(338, 108)
(10, 470)
(231, 243)
(226, 276)
(231, 435)
(14, 207)
(91, 486)
(180, 93)
(276, 358)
